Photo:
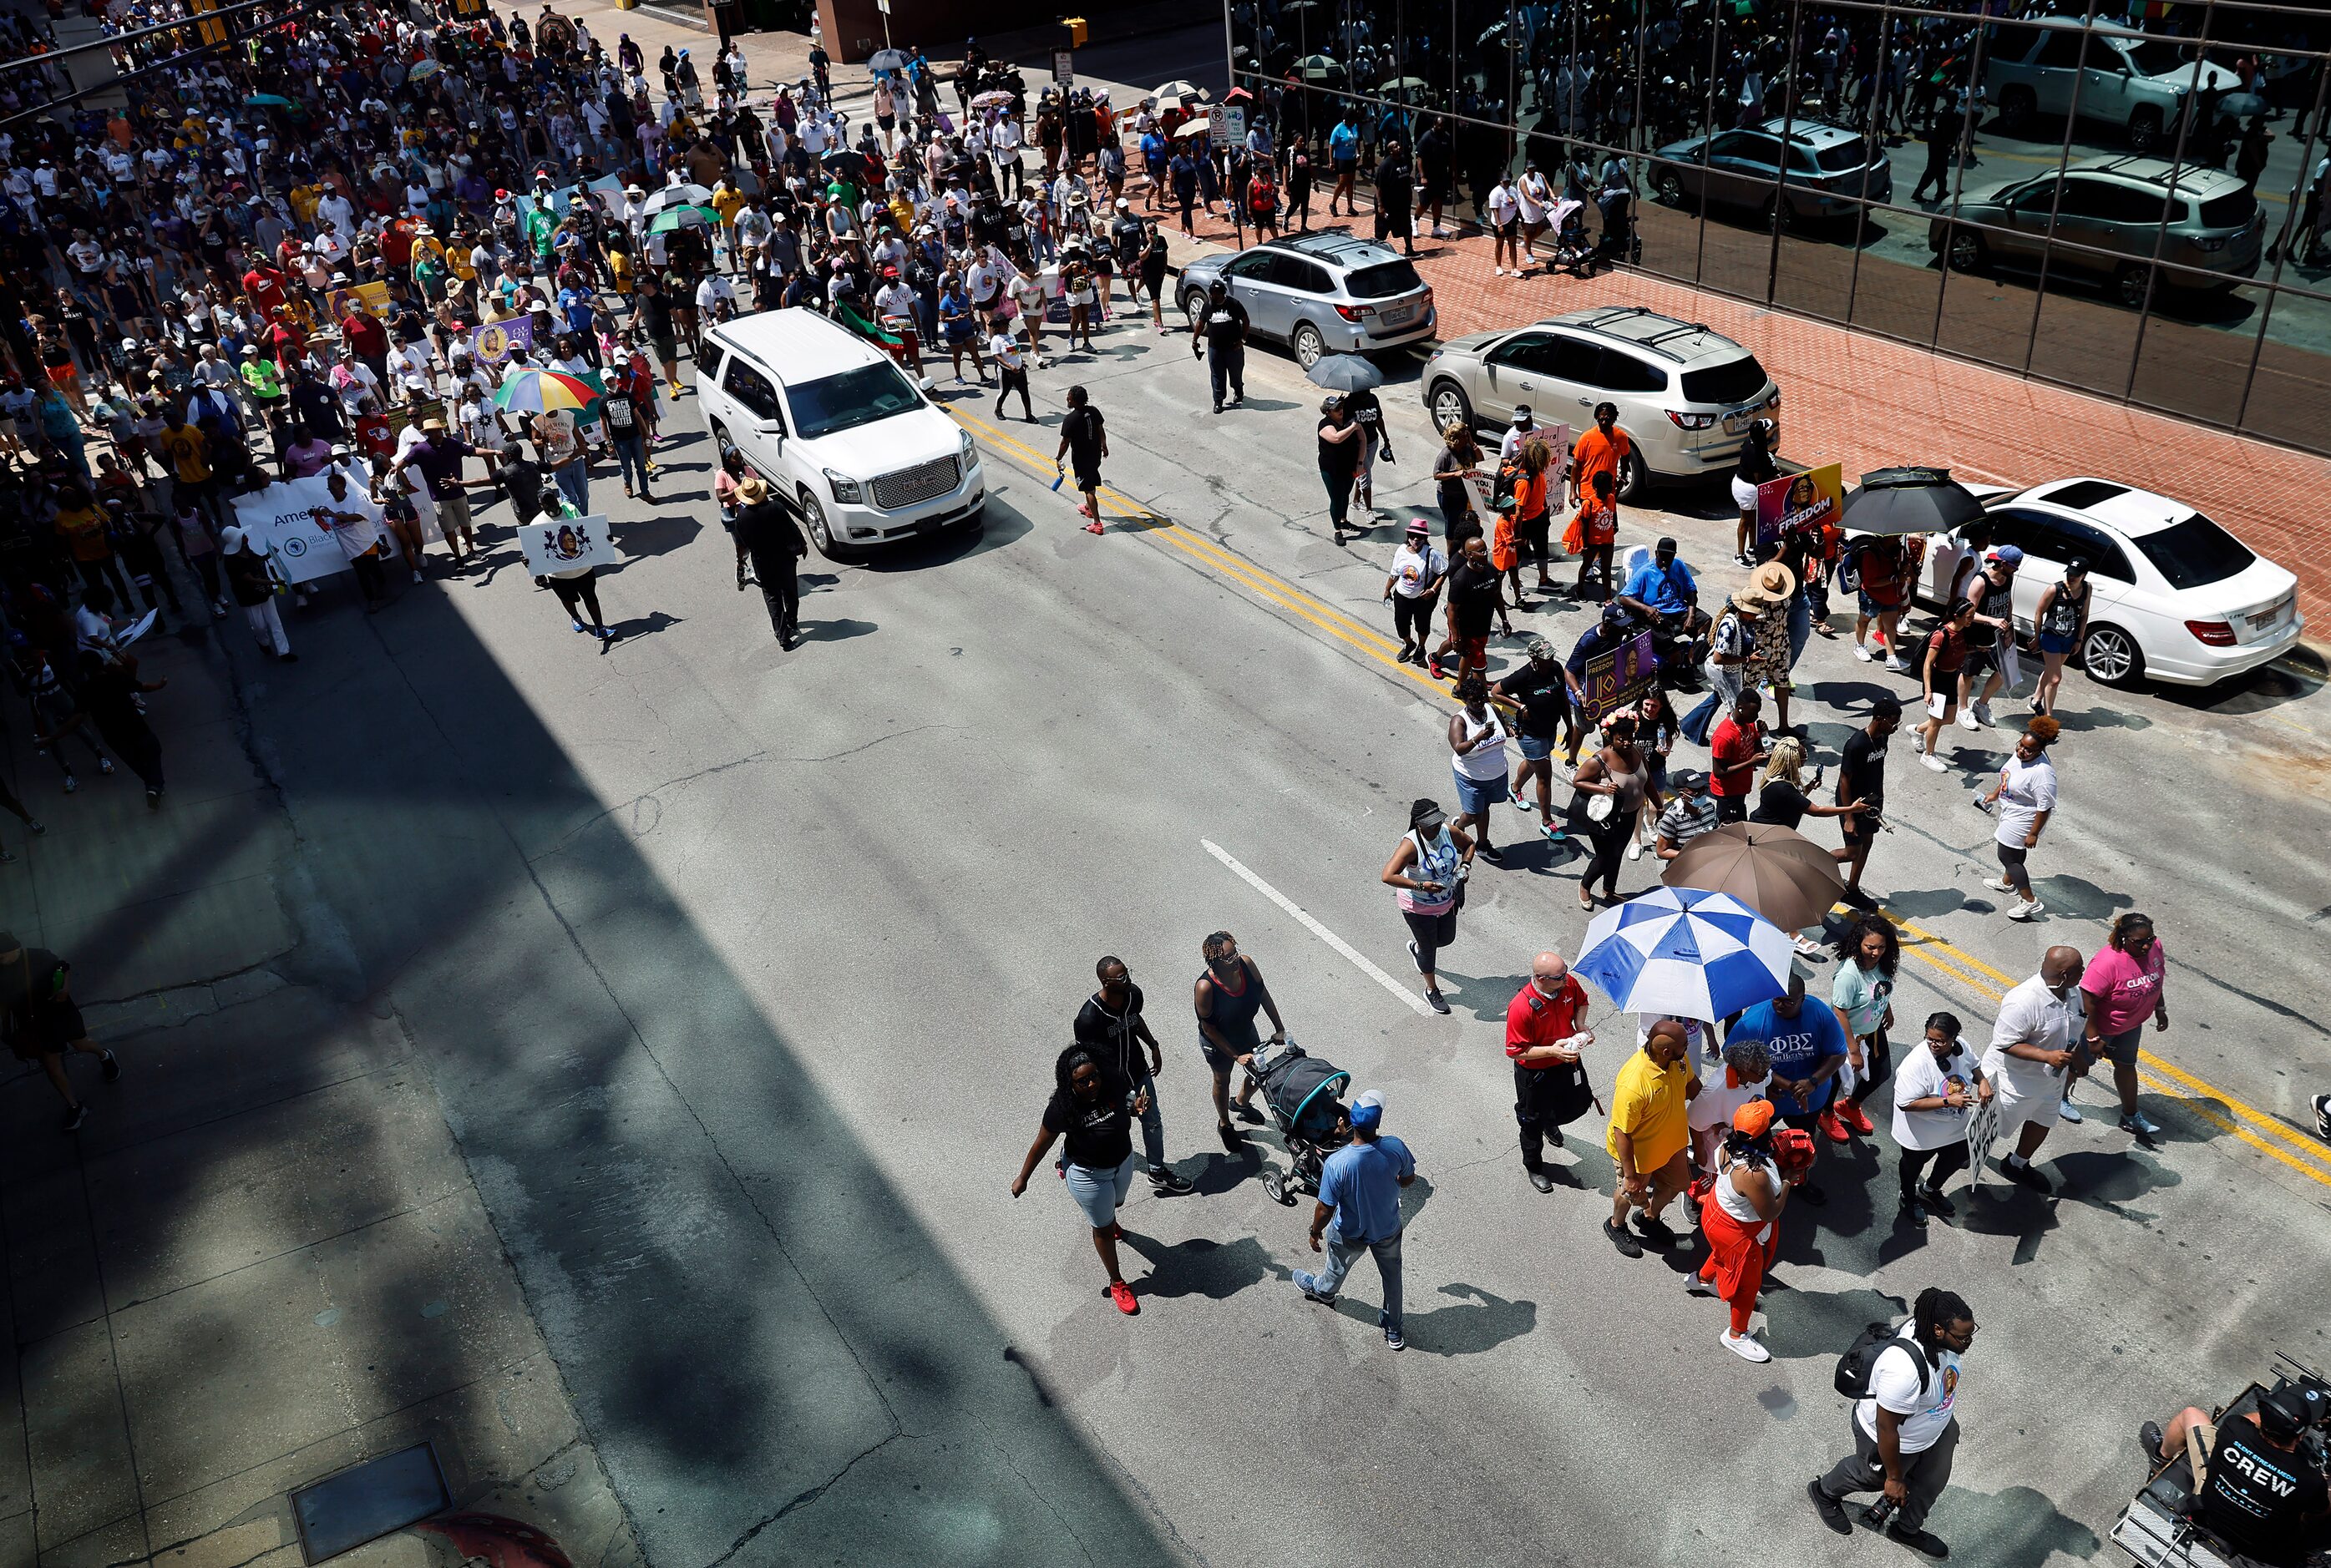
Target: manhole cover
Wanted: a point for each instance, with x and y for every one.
(342, 1512)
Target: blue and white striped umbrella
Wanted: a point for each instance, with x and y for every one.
(1684, 952)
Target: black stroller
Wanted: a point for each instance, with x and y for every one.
(1302, 1092)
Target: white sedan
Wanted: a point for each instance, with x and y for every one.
(2177, 598)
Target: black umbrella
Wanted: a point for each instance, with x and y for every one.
(887, 60)
(1909, 500)
(1344, 373)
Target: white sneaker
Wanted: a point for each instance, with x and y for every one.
(2029, 911)
(1861, 651)
(1898, 666)
(1968, 721)
(1498, 271)
(1635, 849)
(1999, 884)
(1933, 764)
(2070, 1113)
(1744, 1346)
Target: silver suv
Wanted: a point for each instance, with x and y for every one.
(2106, 217)
(1331, 292)
(1686, 396)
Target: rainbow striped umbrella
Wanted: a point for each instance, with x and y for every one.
(530, 390)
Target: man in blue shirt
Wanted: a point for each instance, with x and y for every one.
(1662, 587)
(1359, 1212)
(1807, 1047)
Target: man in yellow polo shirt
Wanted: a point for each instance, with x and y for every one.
(1650, 1135)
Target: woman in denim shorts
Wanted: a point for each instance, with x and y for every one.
(1092, 1107)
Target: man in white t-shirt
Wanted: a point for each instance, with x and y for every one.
(1906, 1433)
(2035, 1043)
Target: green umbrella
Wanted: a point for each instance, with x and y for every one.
(682, 217)
(266, 100)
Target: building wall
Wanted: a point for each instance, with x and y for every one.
(853, 28)
(2090, 275)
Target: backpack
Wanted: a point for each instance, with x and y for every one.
(1860, 1360)
(1501, 490)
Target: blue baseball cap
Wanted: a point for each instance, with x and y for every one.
(2008, 555)
(1367, 1111)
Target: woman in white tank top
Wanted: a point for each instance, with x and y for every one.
(1741, 1216)
(1477, 745)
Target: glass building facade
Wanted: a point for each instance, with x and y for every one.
(2129, 198)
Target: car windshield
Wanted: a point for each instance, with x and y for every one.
(2158, 57)
(2195, 553)
(855, 397)
(1734, 381)
(1841, 156)
(1382, 281)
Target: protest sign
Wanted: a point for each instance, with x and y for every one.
(282, 521)
(1794, 503)
(493, 341)
(563, 544)
(372, 298)
(1618, 678)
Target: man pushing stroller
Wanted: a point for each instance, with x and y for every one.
(1359, 1212)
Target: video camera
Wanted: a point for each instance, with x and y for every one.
(2159, 1527)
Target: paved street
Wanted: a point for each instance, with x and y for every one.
(739, 975)
(691, 1004)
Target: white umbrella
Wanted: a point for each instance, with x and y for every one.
(680, 195)
(1685, 952)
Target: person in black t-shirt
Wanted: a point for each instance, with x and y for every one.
(2263, 1496)
(1111, 1027)
(1861, 789)
(1539, 688)
(1476, 593)
(1091, 1112)
(1341, 442)
(766, 537)
(1220, 332)
(1084, 442)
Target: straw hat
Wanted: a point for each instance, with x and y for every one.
(752, 489)
(1769, 585)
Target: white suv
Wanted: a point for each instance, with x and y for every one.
(837, 429)
(2041, 75)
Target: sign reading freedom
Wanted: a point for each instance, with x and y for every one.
(1620, 677)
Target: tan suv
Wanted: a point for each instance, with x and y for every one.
(2104, 217)
(1686, 396)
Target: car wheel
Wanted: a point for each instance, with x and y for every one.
(1450, 408)
(2017, 105)
(2111, 656)
(1635, 483)
(1667, 187)
(1309, 347)
(2145, 130)
(1778, 213)
(1193, 302)
(721, 445)
(820, 530)
(1966, 251)
(2132, 284)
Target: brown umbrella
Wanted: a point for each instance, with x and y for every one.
(1781, 874)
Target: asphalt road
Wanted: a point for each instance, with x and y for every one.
(741, 975)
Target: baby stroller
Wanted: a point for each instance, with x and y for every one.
(1302, 1092)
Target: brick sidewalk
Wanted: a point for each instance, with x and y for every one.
(1869, 402)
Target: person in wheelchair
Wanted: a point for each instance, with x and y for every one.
(1661, 593)
(2262, 1493)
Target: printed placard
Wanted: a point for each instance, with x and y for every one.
(1794, 503)
(563, 544)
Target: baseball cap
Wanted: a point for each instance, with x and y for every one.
(2007, 555)
(1688, 778)
(1540, 648)
(1367, 1111)
(1521, 413)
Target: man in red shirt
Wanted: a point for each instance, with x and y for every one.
(1736, 748)
(1546, 1030)
(264, 284)
(363, 332)
(1605, 449)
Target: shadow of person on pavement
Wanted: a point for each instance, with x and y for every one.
(1802, 1324)
(2014, 1525)
(1217, 1271)
(1475, 1321)
(835, 631)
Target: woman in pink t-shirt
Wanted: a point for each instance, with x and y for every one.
(2123, 983)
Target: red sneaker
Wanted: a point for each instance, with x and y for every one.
(1854, 1116)
(1830, 1127)
(1122, 1293)
(1094, 527)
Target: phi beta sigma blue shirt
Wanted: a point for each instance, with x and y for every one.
(1797, 1046)
(1361, 1181)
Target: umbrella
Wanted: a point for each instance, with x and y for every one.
(1192, 128)
(1178, 88)
(1909, 500)
(266, 100)
(530, 390)
(1316, 65)
(423, 69)
(883, 60)
(1776, 871)
(672, 218)
(992, 99)
(1402, 84)
(680, 195)
(1344, 373)
(1686, 952)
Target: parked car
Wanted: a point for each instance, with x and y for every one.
(2036, 73)
(2176, 596)
(1686, 395)
(837, 429)
(1331, 292)
(2118, 210)
(1825, 166)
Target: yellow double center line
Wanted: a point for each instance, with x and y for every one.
(2253, 1127)
(1273, 591)
(2246, 1122)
